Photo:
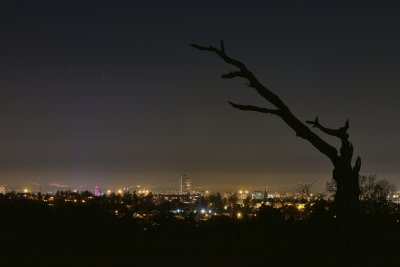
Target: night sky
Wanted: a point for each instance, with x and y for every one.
(112, 93)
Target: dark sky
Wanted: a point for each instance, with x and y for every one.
(111, 92)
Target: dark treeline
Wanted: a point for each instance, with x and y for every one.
(79, 229)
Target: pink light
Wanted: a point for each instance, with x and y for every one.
(96, 191)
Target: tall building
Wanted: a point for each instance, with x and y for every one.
(185, 185)
(2, 189)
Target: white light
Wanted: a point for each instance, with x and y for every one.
(203, 211)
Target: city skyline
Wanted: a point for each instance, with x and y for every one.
(156, 188)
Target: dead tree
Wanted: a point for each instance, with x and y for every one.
(344, 173)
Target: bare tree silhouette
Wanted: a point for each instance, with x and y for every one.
(344, 173)
(304, 190)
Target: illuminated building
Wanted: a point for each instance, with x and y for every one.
(185, 185)
(2, 189)
(244, 194)
(259, 195)
(97, 191)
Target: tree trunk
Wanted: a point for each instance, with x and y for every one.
(347, 204)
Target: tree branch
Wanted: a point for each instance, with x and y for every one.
(255, 108)
(244, 72)
(233, 74)
(357, 166)
(339, 133)
(282, 110)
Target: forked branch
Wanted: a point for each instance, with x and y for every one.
(244, 73)
(339, 133)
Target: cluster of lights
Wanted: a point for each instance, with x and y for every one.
(300, 206)
(120, 191)
(203, 211)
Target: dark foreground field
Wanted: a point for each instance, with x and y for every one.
(37, 236)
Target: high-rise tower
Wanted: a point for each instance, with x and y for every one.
(185, 185)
